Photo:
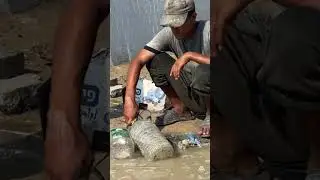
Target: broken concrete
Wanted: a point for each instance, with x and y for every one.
(116, 91)
(11, 64)
(19, 93)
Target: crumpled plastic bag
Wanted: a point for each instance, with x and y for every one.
(148, 93)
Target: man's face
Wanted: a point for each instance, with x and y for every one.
(186, 30)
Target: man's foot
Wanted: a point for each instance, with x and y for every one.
(170, 116)
(205, 128)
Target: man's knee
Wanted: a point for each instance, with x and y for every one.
(201, 80)
(160, 61)
(159, 68)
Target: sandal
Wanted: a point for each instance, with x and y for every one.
(170, 116)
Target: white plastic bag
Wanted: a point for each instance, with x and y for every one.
(94, 108)
(148, 93)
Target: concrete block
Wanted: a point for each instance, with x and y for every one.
(116, 91)
(19, 93)
(11, 65)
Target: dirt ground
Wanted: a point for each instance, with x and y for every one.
(32, 32)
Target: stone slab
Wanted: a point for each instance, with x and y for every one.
(18, 93)
(116, 91)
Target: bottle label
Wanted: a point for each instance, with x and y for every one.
(119, 133)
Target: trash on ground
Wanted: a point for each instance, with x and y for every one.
(190, 141)
(148, 93)
(122, 146)
(152, 144)
(116, 91)
(183, 141)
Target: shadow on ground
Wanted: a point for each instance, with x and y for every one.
(20, 155)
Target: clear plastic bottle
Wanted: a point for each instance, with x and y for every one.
(121, 144)
(152, 144)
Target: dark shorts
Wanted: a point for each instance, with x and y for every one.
(191, 88)
(268, 70)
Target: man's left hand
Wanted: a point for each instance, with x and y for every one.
(178, 65)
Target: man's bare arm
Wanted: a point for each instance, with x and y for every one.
(75, 38)
(197, 57)
(134, 71)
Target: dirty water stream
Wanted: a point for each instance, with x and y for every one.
(192, 164)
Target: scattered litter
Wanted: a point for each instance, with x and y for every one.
(190, 140)
(154, 96)
(116, 91)
(148, 93)
(122, 146)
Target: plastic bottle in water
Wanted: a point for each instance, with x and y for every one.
(152, 144)
(121, 144)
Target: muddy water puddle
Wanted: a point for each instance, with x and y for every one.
(192, 164)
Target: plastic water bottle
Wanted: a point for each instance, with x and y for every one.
(121, 145)
(152, 144)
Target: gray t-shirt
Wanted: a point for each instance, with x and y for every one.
(200, 42)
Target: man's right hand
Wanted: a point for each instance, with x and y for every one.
(130, 110)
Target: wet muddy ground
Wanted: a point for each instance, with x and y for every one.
(193, 164)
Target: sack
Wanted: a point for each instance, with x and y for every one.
(94, 107)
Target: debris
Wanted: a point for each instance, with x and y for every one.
(148, 93)
(116, 91)
(18, 93)
(190, 140)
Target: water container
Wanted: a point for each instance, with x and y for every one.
(152, 144)
(121, 145)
